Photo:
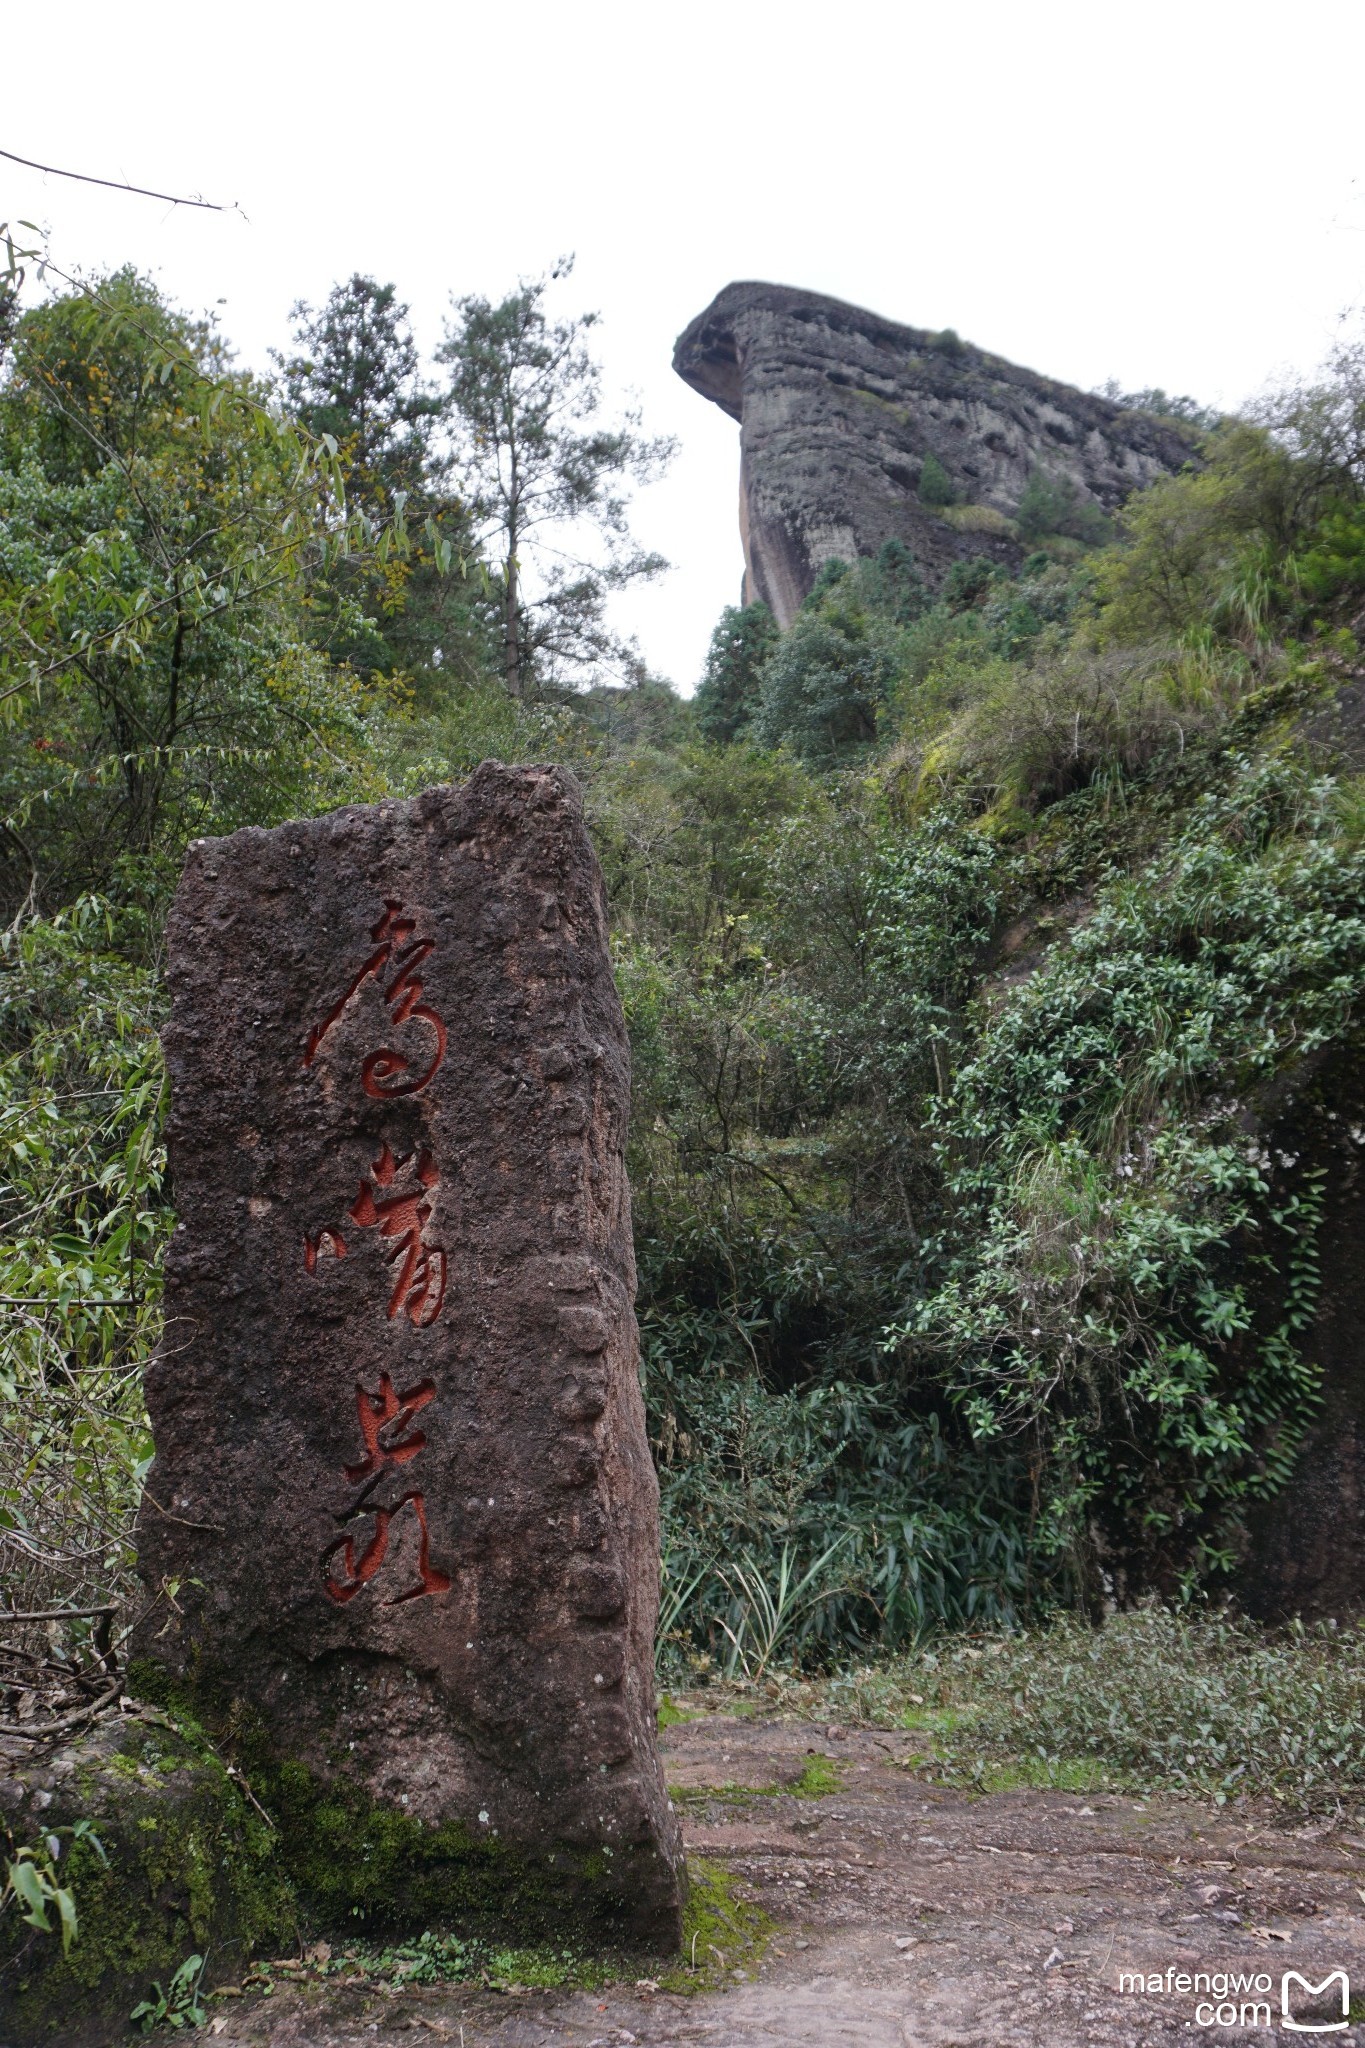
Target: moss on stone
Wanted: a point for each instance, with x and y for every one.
(670, 1713)
(821, 1777)
(198, 1872)
(358, 1865)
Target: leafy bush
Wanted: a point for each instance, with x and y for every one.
(823, 686)
(83, 1216)
(1133, 1271)
(1217, 549)
(967, 581)
(892, 584)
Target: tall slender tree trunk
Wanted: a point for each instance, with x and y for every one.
(511, 634)
(511, 622)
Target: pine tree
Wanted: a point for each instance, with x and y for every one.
(728, 694)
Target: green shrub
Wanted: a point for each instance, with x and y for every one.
(892, 584)
(728, 694)
(1034, 734)
(822, 689)
(828, 575)
(83, 1217)
(1133, 1271)
(968, 581)
(935, 484)
(1054, 505)
(1214, 549)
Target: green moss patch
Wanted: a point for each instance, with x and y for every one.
(188, 1865)
(670, 1713)
(431, 1958)
(723, 1931)
(362, 1869)
(821, 1777)
(361, 1866)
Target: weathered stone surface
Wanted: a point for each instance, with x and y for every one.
(184, 1865)
(402, 1474)
(838, 409)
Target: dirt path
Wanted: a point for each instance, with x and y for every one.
(911, 1916)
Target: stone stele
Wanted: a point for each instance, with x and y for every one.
(401, 1473)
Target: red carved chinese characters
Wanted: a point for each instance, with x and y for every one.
(390, 1442)
(381, 1073)
(395, 1198)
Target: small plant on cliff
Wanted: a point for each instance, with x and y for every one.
(935, 484)
(1053, 505)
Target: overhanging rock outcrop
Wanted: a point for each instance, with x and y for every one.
(839, 409)
(402, 1522)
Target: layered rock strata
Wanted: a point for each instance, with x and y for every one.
(402, 1519)
(839, 410)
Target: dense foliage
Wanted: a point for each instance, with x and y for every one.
(971, 941)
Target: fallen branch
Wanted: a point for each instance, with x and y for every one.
(61, 1613)
(71, 1720)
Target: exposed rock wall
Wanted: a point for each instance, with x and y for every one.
(838, 409)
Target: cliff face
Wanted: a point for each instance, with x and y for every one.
(839, 410)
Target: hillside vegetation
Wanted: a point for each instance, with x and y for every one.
(976, 946)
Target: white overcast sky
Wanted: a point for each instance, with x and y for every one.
(1164, 193)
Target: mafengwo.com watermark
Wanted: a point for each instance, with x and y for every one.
(1223, 1999)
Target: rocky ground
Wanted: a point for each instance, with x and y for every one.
(909, 1915)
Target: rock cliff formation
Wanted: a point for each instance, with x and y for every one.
(840, 410)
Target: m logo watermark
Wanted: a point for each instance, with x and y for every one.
(1297, 1994)
(1241, 1999)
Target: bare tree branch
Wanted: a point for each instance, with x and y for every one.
(118, 185)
